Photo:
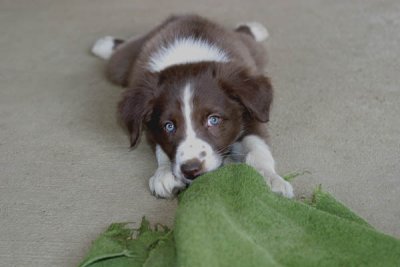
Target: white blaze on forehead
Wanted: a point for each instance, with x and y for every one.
(187, 111)
(192, 146)
(186, 50)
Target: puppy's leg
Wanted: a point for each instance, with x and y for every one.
(255, 29)
(258, 155)
(123, 59)
(163, 183)
(120, 55)
(251, 34)
(104, 47)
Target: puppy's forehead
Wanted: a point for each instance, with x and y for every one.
(170, 96)
(171, 103)
(204, 88)
(205, 97)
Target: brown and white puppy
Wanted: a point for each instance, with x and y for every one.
(200, 93)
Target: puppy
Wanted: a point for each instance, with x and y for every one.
(199, 92)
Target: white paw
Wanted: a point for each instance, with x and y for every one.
(282, 187)
(258, 30)
(164, 184)
(266, 168)
(104, 47)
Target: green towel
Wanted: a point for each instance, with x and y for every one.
(230, 218)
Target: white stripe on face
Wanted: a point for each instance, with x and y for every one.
(192, 147)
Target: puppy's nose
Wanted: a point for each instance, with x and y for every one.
(192, 168)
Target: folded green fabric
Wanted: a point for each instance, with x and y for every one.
(230, 218)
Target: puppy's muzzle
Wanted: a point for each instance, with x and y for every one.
(192, 168)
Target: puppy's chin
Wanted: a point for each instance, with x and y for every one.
(179, 176)
(187, 182)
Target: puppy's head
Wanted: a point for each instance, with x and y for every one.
(195, 112)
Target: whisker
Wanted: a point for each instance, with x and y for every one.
(223, 148)
(238, 154)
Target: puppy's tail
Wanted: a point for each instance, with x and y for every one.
(258, 31)
(104, 47)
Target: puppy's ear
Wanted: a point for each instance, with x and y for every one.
(255, 93)
(135, 108)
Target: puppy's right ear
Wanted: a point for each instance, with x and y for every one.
(136, 105)
(134, 108)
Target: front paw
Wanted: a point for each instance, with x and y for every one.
(280, 186)
(164, 184)
(266, 168)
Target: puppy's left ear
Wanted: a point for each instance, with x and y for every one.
(255, 93)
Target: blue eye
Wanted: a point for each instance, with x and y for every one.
(169, 127)
(213, 120)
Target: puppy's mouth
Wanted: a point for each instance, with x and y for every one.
(189, 181)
